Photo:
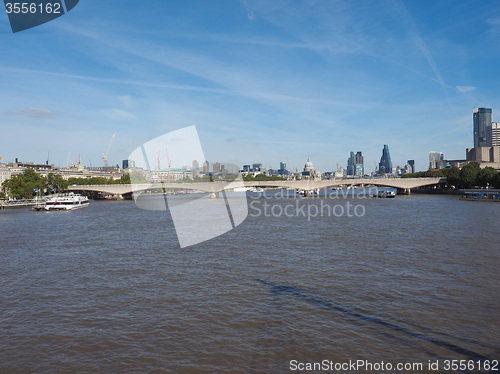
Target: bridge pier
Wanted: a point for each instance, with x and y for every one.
(404, 191)
(213, 195)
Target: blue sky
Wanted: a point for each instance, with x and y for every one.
(263, 81)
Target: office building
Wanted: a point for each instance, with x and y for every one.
(206, 167)
(127, 164)
(495, 134)
(195, 168)
(436, 160)
(216, 168)
(385, 164)
(257, 167)
(411, 168)
(482, 127)
(485, 156)
(355, 164)
(282, 170)
(350, 164)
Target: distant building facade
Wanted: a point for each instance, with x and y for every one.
(410, 168)
(309, 171)
(206, 168)
(355, 164)
(195, 168)
(128, 164)
(495, 134)
(485, 156)
(436, 160)
(482, 127)
(282, 170)
(385, 164)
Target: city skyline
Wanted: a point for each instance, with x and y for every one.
(263, 82)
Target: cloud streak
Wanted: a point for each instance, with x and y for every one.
(33, 113)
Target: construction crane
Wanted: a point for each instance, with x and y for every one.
(160, 157)
(105, 154)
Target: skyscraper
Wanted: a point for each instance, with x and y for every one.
(482, 127)
(216, 167)
(411, 163)
(196, 168)
(385, 164)
(495, 134)
(350, 164)
(359, 168)
(206, 167)
(355, 164)
(435, 159)
(282, 170)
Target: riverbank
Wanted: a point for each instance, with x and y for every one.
(436, 191)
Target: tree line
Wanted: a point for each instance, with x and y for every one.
(29, 183)
(470, 176)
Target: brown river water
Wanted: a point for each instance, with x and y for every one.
(107, 289)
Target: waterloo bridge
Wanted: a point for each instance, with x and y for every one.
(403, 185)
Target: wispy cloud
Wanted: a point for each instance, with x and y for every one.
(250, 14)
(33, 112)
(127, 101)
(464, 89)
(494, 24)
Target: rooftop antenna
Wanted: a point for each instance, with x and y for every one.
(105, 154)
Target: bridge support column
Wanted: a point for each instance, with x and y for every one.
(406, 191)
(213, 195)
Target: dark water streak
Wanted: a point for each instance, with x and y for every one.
(329, 305)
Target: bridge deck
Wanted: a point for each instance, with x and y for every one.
(306, 185)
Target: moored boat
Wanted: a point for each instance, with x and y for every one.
(69, 201)
(481, 195)
(385, 194)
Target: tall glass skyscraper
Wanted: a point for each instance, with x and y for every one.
(355, 164)
(482, 127)
(385, 164)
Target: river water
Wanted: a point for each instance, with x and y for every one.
(108, 289)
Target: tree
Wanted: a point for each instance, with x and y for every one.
(468, 175)
(24, 185)
(496, 180)
(485, 176)
(55, 183)
(452, 176)
(125, 179)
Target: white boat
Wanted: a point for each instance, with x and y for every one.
(386, 194)
(70, 201)
(242, 189)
